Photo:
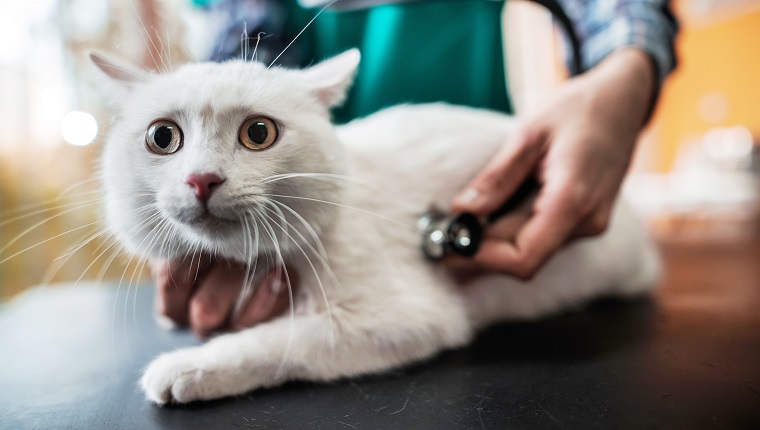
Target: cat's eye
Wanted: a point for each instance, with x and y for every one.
(163, 137)
(258, 133)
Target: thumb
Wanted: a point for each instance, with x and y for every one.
(501, 177)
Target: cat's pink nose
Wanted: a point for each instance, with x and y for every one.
(204, 184)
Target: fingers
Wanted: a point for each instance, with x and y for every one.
(215, 297)
(502, 175)
(541, 236)
(595, 223)
(505, 229)
(213, 303)
(555, 215)
(202, 294)
(271, 298)
(174, 286)
(508, 226)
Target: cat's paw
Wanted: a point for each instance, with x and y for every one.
(184, 376)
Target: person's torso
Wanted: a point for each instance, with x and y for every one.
(414, 52)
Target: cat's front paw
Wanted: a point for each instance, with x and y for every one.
(184, 376)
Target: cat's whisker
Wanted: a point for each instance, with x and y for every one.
(245, 288)
(161, 223)
(77, 205)
(323, 260)
(52, 271)
(254, 58)
(413, 228)
(139, 269)
(250, 246)
(138, 211)
(81, 276)
(270, 231)
(316, 275)
(48, 240)
(88, 240)
(77, 185)
(163, 52)
(81, 245)
(169, 46)
(163, 235)
(254, 247)
(244, 42)
(177, 240)
(146, 35)
(113, 242)
(48, 202)
(280, 177)
(309, 228)
(197, 268)
(35, 226)
(116, 241)
(321, 254)
(114, 253)
(126, 296)
(301, 32)
(97, 258)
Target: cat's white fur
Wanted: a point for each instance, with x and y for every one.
(372, 302)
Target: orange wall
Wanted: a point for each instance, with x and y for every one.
(717, 82)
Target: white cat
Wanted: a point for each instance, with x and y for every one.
(230, 168)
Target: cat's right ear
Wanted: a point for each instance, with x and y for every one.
(119, 74)
(331, 78)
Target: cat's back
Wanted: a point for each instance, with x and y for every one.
(424, 152)
(415, 127)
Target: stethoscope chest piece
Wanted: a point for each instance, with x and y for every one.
(461, 234)
(443, 234)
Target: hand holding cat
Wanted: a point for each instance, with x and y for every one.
(202, 294)
(579, 146)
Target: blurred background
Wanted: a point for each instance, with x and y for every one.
(696, 175)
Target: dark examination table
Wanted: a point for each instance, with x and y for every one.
(687, 358)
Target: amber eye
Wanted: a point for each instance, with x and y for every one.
(258, 133)
(163, 137)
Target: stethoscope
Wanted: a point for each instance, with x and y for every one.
(461, 234)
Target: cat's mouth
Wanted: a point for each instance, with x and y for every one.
(206, 221)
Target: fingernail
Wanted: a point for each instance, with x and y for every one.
(469, 197)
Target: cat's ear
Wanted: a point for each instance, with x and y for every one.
(120, 74)
(331, 78)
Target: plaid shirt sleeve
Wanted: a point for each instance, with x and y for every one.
(604, 26)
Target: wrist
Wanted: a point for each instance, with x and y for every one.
(627, 78)
(632, 70)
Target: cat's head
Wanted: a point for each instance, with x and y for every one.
(211, 155)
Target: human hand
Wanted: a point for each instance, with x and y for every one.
(579, 146)
(202, 294)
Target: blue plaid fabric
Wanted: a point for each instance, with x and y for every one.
(604, 26)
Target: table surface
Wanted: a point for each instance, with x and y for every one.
(687, 358)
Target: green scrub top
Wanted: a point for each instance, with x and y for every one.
(415, 52)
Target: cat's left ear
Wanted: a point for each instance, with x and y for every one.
(121, 75)
(331, 78)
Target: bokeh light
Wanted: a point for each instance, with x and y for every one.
(79, 128)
